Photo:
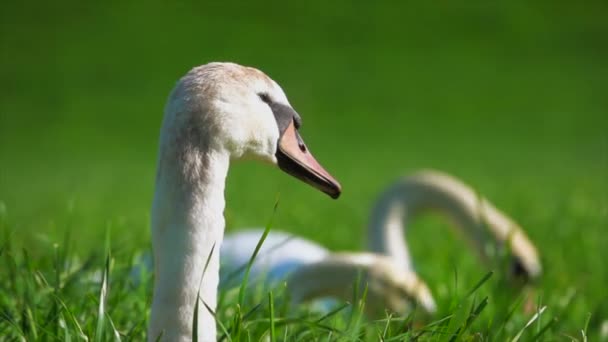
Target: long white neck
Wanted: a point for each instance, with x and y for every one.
(480, 221)
(187, 222)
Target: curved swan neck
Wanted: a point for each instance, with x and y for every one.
(411, 195)
(331, 276)
(461, 204)
(337, 274)
(187, 222)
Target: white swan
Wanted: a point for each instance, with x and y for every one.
(305, 265)
(310, 271)
(216, 113)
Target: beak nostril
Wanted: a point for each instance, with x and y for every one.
(301, 144)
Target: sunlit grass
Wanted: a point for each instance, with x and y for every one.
(61, 296)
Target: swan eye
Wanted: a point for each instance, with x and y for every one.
(283, 114)
(264, 97)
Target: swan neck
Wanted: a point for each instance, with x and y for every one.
(427, 190)
(187, 230)
(386, 230)
(478, 220)
(326, 278)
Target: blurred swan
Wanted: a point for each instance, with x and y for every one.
(217, 113)
(311, 271)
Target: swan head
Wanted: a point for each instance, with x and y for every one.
(244, 112)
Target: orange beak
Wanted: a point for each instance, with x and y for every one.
(294, 158)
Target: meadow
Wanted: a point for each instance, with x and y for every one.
(508, 96)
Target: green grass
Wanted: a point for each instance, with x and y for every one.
(508, 96)
(62, 298)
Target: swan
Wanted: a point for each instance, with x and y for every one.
(311, 271)
(217, 113)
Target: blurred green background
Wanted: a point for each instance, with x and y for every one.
(510, 96)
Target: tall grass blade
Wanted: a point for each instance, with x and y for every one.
(386, 328)
(242, 268)
(65, 308)
(255, 253)
(67, 337)
(457, 320)
(29, 324)
(472, 317)
(584, 331)
(103, 293)
(114, 330)
(237, 325)
(225, 334)
(510, 314)
(538, 305)
(530, 322)
(5, 317)
(251, 311)
(195, 317)
(271, 313)
(544, 329)
(333, 312)
(354, 325)
(198, 296)
(479, 283)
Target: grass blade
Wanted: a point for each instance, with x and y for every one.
(479, 283)
(114, 331)
(195, 318)
(255, 253)
(72, 317)
(509, 315)
(333, 312)
(198, 297)
(473, 316)
(271, 306)
(66, 332)
(532, 320)
(219, 323)
(103, 293)
(584, 331)
(545, 328)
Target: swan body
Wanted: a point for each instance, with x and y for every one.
(217, 113)
(310, 271)
(280, 254)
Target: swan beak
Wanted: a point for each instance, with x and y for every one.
(294, 158)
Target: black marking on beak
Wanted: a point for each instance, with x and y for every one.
(293, 156)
